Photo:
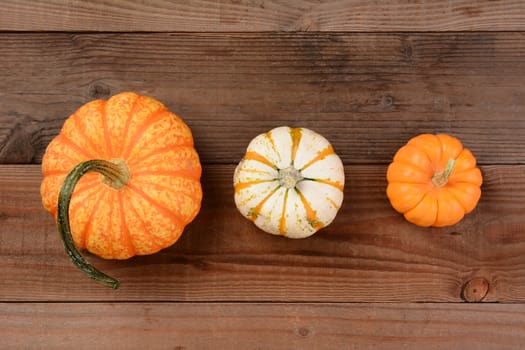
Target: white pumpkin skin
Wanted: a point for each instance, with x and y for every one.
(290, 182)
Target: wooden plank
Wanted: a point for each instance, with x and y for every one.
(261, 326)
(368, 93)
(262, 15)
(369, 254)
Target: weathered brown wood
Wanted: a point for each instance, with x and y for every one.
(262, 15)
(369, 253)
(368, 75)
(368, 93)
(261, 326)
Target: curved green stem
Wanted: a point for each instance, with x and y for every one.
(441, 179)
(113, 172)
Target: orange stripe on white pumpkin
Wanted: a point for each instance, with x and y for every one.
(331, 201)
(282, 221)
(271, 141)
(294, 158)
(311, 214)
(254, 212)
(335, 184)
(296, 135)
(320, 156)
(256, 156)
(244, 185)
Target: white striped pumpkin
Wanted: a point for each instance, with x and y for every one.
(290, 182)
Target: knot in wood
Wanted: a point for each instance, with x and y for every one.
(387, 101)
(99, 91)
(303, 331)
(406, 50)
(475, 290)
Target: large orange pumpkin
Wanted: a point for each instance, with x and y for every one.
(147, 188)
(434, 181)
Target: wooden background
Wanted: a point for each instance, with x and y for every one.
(368, 75)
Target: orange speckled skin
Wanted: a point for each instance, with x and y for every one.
(163, 194)
(412, 192)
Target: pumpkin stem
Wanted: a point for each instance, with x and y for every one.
(114, 172)
(116, 178)
(289, 177)
(441, 179)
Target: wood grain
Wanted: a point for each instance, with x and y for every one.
(261, 326)
(368, 93)
(366, 74)
(369, 253)
(262, 15)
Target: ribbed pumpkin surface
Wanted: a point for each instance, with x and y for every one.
(163, 194)
(434, 181)
(290, 182)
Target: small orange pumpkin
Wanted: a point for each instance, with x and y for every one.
(148, 187)
(434, 181)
